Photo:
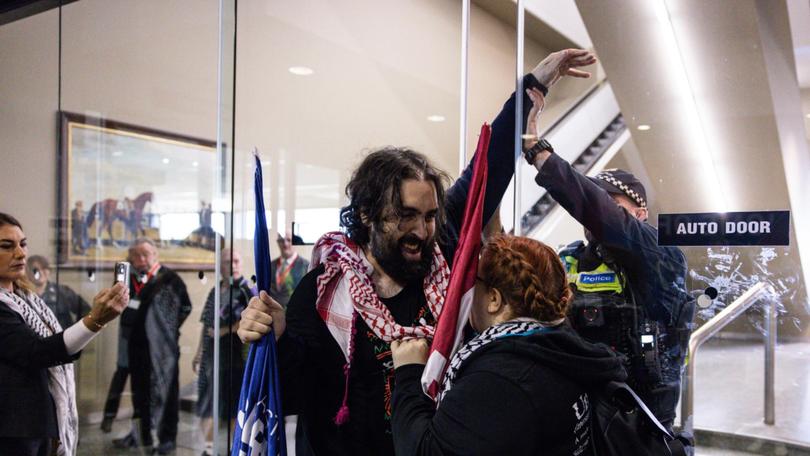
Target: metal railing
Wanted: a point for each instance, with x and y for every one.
(712, 327)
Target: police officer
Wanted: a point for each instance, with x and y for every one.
(629, 293)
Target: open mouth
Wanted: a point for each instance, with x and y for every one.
(411, 250)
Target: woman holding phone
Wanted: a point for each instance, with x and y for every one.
(38, 414)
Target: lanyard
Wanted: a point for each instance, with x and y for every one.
(138, 285)
(281, 276)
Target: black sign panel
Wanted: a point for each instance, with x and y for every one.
(725, 228)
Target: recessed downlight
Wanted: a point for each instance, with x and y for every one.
(301, 70)
(165, 161)
(643, 127)
(435, 118)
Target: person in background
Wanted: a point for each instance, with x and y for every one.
(78, 229)
(38, 414)
(286, 270)
(162, 304)
(66, 304)
(235, 293)
(520, 386)
(629, 292)
(119, 378)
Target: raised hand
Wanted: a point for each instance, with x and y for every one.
(538, 102)
(563, 63)
(262, 313)
(107, 305)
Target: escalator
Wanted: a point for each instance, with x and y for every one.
(588, 133)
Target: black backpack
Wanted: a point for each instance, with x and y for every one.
(622, 425)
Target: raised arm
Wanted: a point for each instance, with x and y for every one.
(501, 154)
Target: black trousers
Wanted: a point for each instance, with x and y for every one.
(141, 370)
(167, 424)
(25, 447)
(117, 384)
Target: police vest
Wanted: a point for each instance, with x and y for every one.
(601, 311)
(601, 279)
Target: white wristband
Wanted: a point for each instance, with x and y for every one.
(77, 337)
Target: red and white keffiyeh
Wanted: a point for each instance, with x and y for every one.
(345, 287)
(345, 291)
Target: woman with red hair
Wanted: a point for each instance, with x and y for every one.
(519, 387)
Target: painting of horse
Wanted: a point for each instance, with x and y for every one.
(135, 182)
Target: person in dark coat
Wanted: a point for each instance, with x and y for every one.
(381, 279)
(520, 387)
(286, 270)
(66, 304)
(79, 238)
(38, 415)
(160, 304)
(629, 292)
(235, 292)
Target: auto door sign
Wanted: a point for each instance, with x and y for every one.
(771, 228)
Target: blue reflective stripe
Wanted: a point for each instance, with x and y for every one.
(530, 332)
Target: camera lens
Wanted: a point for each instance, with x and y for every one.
(590, 314)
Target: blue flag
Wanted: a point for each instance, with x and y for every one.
(259, 422)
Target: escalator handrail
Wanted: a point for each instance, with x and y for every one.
(588, 94)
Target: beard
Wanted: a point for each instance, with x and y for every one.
(388, 252)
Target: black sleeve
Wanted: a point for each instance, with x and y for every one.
(83, 308)
(76, 303)
(501, 168)
(24, 348)
(657, 273)
(300, 338)
(185, 301)
(207, 314)
(481, 415)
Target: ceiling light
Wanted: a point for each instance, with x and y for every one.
(435, 118)
(195, 164)
(117, 153)
(166, 161)
(301, 70)
(643, 127)
(807, 115)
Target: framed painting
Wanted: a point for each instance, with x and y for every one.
(119, 182)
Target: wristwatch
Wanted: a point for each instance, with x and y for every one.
(531, 153)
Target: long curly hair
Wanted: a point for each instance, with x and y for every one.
(529, 275)
(375, 187)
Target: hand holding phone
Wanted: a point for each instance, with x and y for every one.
(122, 273)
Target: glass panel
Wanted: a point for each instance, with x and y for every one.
(123, 124)
(320, 85)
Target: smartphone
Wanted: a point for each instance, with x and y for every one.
(122, 273)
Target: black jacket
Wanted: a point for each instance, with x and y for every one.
(656, 274)
(26, 407)
(524, 395)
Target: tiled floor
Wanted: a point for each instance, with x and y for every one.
(729, 390)
(94, 442)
